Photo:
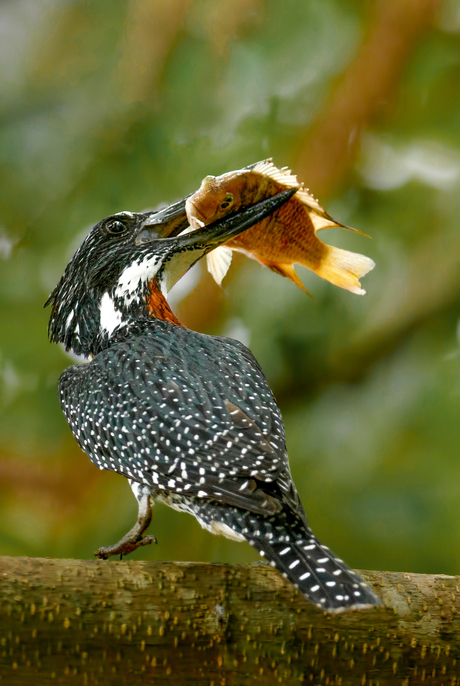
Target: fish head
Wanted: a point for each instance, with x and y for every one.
(211, 202)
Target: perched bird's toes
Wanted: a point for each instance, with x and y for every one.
(123, 547)
(147, 540)
(103, 553)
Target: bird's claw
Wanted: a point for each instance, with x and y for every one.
(123, 547)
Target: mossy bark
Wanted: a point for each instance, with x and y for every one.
(98, 622)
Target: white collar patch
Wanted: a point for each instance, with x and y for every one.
(136, 274)
(110, 317)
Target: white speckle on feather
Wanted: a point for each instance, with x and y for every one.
(110, 317)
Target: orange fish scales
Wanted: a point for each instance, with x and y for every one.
(285, 238)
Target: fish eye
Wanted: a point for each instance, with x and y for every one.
(227, 201)
(115, 227)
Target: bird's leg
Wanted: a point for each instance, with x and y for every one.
(133, 539)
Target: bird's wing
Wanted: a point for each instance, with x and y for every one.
(191, 415)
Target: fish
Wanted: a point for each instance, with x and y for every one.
(286, 238)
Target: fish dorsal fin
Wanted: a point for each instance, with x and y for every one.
(218, 262)
(319, 216)
(284, 175)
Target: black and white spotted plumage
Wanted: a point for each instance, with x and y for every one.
(191, 418)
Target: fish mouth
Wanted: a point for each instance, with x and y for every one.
(197, 219)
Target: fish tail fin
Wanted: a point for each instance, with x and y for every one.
(289, 272)
(344, 268)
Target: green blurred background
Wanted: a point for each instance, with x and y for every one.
(107, 106)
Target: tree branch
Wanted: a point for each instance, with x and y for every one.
(97, 622)
(361, 96)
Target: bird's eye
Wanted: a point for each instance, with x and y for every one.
(228, 200)
(115, 227)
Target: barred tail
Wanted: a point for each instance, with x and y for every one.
(286, 541)
(317, 572)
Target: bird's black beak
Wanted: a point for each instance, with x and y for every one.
(184, 250)
(167, 222)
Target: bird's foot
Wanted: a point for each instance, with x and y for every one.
(123, 547)
(133, 539)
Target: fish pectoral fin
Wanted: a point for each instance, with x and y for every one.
(218, 262)
(289, 272)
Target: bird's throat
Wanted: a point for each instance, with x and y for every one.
(158, 306)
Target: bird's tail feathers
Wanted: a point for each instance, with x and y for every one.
(318, 573)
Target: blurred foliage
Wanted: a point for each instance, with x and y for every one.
(109, 106)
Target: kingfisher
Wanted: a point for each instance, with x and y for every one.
(189, 419)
